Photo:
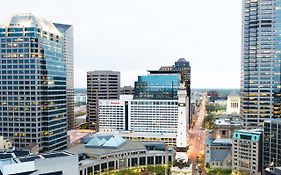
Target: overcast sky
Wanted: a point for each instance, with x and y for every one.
(133, 36)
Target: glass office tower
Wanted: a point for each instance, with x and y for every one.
(157, 86)
(67, 31)
(33, 83)
(272, 146)
(260, 66)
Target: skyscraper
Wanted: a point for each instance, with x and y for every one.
(67, 31)
(261, 60)
(100, 85)
(183, 68)
(272, 145)
(33, 83)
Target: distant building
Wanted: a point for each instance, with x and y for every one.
(247, 152)
(272, 145)
(23, 163)
(212, 96)
(80, 98)
(105, 152)
(100, 85)
(218, 153)
(127, 90)
(233, 103)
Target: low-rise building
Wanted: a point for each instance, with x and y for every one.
(233, 103)
(247, 152)
(218, 153)
(23, 163)
(225, 125)
(105, 152)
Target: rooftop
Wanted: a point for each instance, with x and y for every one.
(100, 144)
(219, 155)
(233, 94)
(222, 141)
(182, 60)
(29, 20)
(99, 151)
(228, 122)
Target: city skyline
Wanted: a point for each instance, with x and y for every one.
(105, 35)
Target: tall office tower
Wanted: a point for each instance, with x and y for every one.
(100, 85)
(183, 67)
(261, 60)
(247, 152)
(272, 144)
(67, 31)
(33, 83)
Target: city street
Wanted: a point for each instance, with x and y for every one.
(197, 138)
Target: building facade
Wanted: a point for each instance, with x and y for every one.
(218, 153)
(80, 98)
(261, 55)
(272, 145)
(127, 90)
(157, 85)
(100, 85)
(247, 152)
(104, 153)
(139, 116)
(233, 103)
(33, 83)
(67, 31)
(21, 162)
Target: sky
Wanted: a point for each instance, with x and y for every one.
(132, 36)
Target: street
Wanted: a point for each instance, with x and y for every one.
(197, 138)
